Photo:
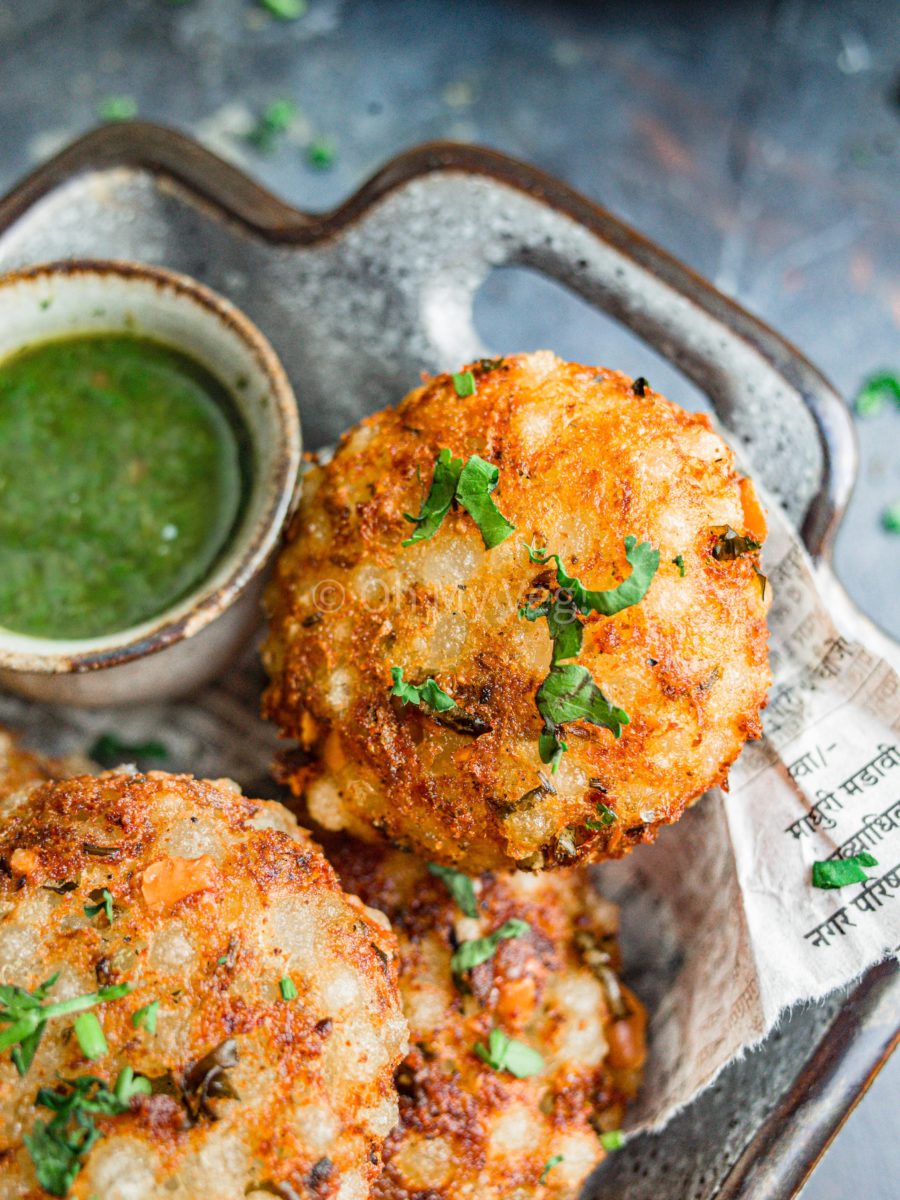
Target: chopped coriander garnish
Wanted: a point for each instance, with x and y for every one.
(678, 560)
(606, 817)
(58, 1147)
(890, 518)
(110, 751)
(426, 694)
(90, 1035)
(642, 559)
(146, 1017)
(288, 990)
(506, 1054)
(839, 872)
(221, 960)
(459, 886)
(273, 122)
(875, 392)
(613, 1139)
(321, 153)
(478, 950)
(552, 1162)
(570, 694)
(440, 496)
(117, 108)
(471, 485)
(104, 904)
(476, 482)
(285, 10)
(464, 383)
(25, 1015)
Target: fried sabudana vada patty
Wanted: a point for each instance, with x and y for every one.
(239, 1018)
(586, 460)
(468, 1130)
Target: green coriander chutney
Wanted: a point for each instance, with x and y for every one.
(123, 473)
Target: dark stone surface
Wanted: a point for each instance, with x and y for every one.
(759, 142)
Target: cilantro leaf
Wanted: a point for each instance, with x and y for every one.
(436, 504)
(612, 1139)
(459, 886)
(552, 1162)
(642, 559)
(104, 904)
(273, 122)
(565, 629)
(59, 1147)
(477, 480)
(90, 1035)
(464, 384)
(839, 872)
(890, 518)
(478, 950)
(875, 392)
(117, 108)
(25, 1015)
(426, 694)
(146, 1016)
(285, 10)
(321, 153)
(606, 817)
(110, 751)
(678, 560)
(506, 1054)
(570, 694)
(288, 988)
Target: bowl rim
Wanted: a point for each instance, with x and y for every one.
(201, 606)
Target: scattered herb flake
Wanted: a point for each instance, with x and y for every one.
(890, 518)
(285, 10)
(426, 694)
(104, 904)
(506, 1054)
(288, 990)
(25, 1015)
(875, 392)
(321, 153)
(477, 480)
(59, 1147)
(459, 886)
(606, 817)
(146, 1017)
(552, 1162)
(271, 125)
(111, 751)
(678, 560)
(613, 1139)
(436, 504)
(570, 694)
(117, 108)
(90, 1035)
(478, 950)
(839, 872)
(642, 559)
(464, 383)
(640, 385)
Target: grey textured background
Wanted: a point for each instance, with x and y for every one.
(759, 142)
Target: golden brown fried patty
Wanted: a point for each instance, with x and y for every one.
(276, 1023)
(468, 1131)
(586, 459)
(20, 767)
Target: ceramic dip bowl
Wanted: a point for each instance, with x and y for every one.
(184, 646)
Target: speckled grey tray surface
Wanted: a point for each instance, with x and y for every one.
(357, 303)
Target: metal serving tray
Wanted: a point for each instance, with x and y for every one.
(358, 302)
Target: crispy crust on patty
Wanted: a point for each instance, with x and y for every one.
(216, 898)
(468, 1132)
(585, 462)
